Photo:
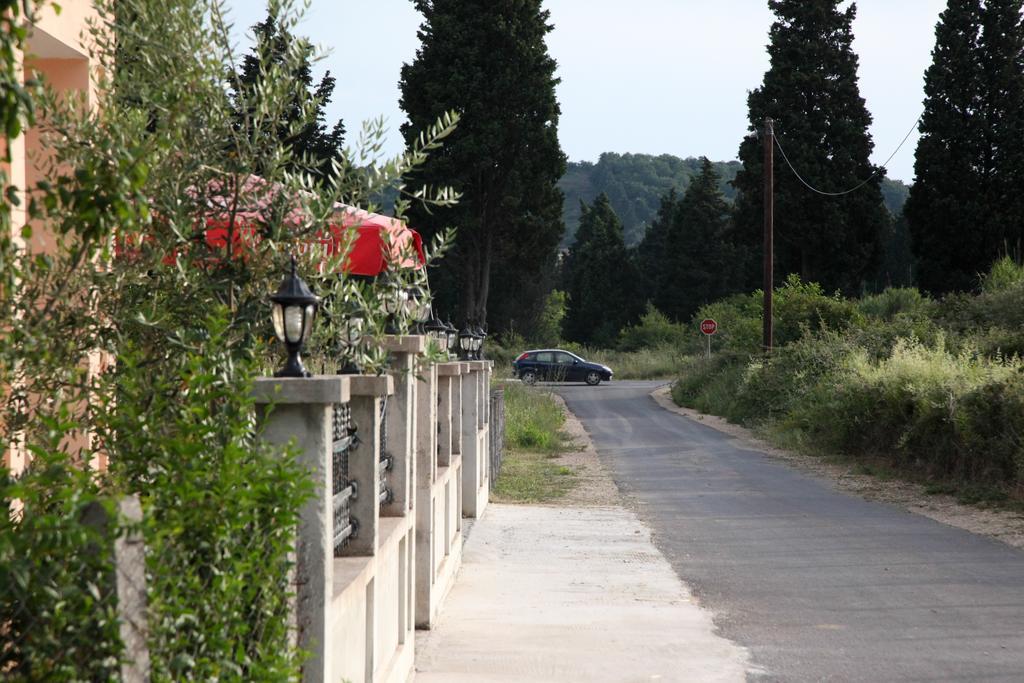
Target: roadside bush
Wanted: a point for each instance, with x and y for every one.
(59, 609)
(991, 425)
(896, 302)
(772, 386)
(709, 385)
(801, 306)
(910, 409)
(221, 510)
(877, 337)
(798, 307)
(997, 342)
(1003, 307)
(739, 324)
(1004, 274)
(652, 331)
(936, 389)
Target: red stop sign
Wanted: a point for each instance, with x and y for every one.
(708, 326)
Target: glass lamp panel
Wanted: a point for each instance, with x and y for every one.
(293, 324)
(465, 343)
(397, 301)
(410, 305)
(354, 329)
(307, 327)
(423, 315)
(277, 316)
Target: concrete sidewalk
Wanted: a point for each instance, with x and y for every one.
(565, 594)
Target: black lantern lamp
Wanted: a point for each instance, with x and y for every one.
(292, 310)
(453, 338)
(466, 343)
(437, 331)
(419, 308)
(396, 303)
(351, 338)
(480, 337)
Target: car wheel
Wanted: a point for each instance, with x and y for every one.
(528, 377)
(593, 378)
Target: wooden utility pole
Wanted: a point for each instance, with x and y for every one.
(769, 226)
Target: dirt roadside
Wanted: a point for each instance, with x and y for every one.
(594, 485)
(1005, 526)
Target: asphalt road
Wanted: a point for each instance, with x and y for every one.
(817, 583)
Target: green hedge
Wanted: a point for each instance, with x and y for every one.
(934, 389)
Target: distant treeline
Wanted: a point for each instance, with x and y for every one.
(635, 184)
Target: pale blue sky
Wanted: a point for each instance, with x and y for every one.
(651, 76)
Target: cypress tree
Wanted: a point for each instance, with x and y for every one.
(1002, 58)
(965, 206)
(313, 141)
(945, 208)
(652, 252)
(488, 60)
(811, 92)
(600, 278)
(703, 265)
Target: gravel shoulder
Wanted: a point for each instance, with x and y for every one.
(1003, 525)
(594, 485)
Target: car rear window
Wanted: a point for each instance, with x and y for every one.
(545, 357)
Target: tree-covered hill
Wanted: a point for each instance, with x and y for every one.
(635, 184)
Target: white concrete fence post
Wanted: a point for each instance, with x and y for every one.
(439, 490)
(298, 411)
(426, 473)
(365, 396)
(401, 421)
(474, 441)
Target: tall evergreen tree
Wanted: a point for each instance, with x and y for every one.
(811, 92)
(600, 279)
(488, 60)
(967, 202)
(1002, 57)
(313, 141)
(652, 252)
(702, 263)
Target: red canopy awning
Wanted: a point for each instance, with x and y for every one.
(380, 241)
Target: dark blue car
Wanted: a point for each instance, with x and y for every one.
(555, 365)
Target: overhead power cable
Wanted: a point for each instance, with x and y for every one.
(863, 182)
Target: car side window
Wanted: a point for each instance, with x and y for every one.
(545, 357)
(564, 359)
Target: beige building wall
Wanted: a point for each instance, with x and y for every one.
(57, 51)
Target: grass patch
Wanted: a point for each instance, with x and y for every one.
(534, 439)
(531, 477)
(533, 420)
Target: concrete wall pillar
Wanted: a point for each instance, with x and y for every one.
(426, 474)
(366, 394)
(401, 421)
(457, 398)
(449, 389)
(298, 412)
(471, 472)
